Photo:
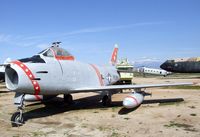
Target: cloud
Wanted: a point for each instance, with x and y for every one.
(16, 40)
(102, 29)
(145, 60)
(93, 30)
(37, 40)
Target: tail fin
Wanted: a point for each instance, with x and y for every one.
(8, 60)
(114, 55)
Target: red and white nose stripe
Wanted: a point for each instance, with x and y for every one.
(30, 75)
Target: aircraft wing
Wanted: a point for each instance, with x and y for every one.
(118, 87)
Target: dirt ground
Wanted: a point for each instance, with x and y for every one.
(168, 112)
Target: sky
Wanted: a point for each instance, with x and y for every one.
(145, 30)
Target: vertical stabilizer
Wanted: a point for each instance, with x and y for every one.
(8, 60)
(114, 55)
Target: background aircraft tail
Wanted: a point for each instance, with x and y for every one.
(8, 60)
(114, 55)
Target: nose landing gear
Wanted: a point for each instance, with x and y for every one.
(17, 117)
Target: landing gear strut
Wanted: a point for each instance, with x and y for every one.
(17, 118)
(68, 99)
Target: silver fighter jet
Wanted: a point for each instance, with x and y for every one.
(55, 71)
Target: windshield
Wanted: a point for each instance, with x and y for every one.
(48, 53)
(60, 52)
(42, 51)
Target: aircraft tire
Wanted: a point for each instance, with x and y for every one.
(68, 99)
(106, 101)
(16, 121)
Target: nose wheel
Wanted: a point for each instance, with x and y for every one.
(17, 117)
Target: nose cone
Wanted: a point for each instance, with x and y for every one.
(125, 103)
(163, 66)
(17, 80)
(128, 103)
(167, 65)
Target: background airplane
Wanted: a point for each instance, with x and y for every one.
(182, 65)
(2, 74)
(55, 71)
(153, 71)
(2, 70)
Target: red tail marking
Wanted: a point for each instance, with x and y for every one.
(30, 75)
(98, 74)
(114, 56)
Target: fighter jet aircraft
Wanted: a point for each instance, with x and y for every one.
(182, 65)
(55, 71)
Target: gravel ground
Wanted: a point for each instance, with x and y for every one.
(168, 112)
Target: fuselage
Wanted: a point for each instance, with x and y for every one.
(181, 66)
(153, 71)
(51, 76)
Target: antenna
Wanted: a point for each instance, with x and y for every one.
(56, 44)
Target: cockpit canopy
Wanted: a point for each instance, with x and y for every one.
(57, 52)
(53, 52)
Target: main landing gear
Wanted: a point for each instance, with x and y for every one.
(68, 99)
(106, 100)
(17, 118)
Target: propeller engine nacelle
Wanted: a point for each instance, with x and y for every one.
(133, 100)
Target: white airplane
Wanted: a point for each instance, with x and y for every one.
(55, 71)
(2, 73)
(153, 71)
(2, 70)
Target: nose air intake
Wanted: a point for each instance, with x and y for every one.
(11, 78)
